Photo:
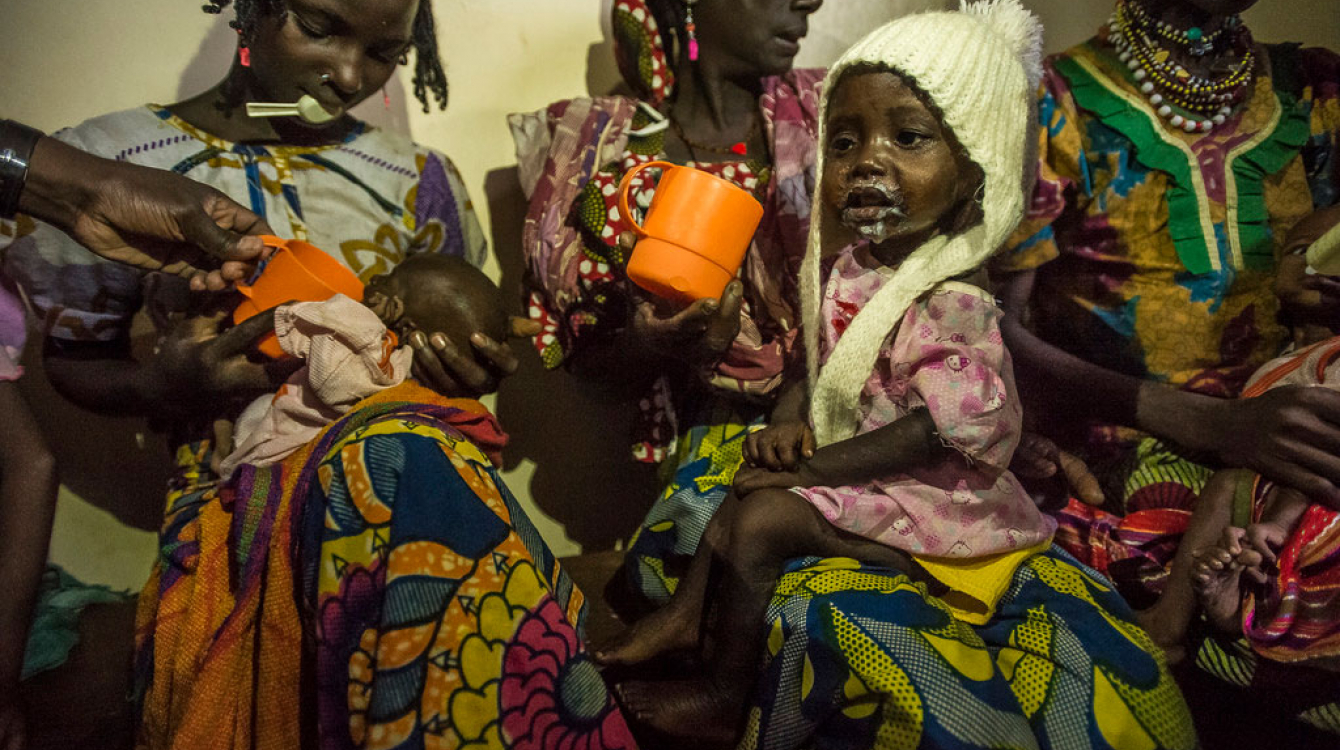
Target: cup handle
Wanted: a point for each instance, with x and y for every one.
(272, 242)
(269, 240)
(626, 184)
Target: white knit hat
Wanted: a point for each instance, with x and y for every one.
(980, 66)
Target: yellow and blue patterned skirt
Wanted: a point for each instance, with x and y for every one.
(861, 657)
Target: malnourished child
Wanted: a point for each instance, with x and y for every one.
(351, 350)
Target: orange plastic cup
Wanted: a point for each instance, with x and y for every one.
(698, 229)
(296, 272)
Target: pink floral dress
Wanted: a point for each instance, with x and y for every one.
(947, 355)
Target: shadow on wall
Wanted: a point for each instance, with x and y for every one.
(211, 60)
(578, 439)
(602, 73)
(115, 464)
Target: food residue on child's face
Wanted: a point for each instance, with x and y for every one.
(890, 174)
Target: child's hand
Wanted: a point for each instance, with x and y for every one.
(1263, 540)
(196, 363)
(779, 447)
(752, 479)
(1309, 298)
(1038, 458)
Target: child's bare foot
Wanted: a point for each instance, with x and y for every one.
(671, 628)
(1215, 577)
(696, 710)
(1261, 540)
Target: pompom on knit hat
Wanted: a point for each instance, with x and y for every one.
(980, 66)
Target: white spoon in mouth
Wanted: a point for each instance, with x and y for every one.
(307, 107)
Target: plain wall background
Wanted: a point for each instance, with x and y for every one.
(63, 61)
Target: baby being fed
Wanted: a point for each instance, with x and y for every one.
(352, 350)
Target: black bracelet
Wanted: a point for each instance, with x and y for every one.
(17, 142)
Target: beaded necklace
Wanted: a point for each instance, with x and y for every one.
(1194, 39)
(739, 148)
(1167, 84)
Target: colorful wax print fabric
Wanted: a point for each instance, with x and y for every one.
(861, 657)
(378, 589)
(1155, 249)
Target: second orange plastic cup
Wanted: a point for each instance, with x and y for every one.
(697, 230)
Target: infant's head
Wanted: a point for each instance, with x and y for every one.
(438, 293)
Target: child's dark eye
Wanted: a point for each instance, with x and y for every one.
(841, 144)
(911, 138)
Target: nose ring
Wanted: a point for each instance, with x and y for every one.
(325, 77)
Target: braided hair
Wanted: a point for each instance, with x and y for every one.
(671, 16)
(428, 73)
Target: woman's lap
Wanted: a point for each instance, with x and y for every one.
(1134, 544)
(435, 613)
(861, 657)
(706, 459)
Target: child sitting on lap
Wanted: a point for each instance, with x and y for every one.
(352, 350)
(912, 410)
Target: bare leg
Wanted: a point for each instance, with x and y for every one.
(763, 531)
(1168, 620)
(676, 626)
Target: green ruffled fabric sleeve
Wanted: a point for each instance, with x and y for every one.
(1283, 145)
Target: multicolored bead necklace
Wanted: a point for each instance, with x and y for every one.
(1194, 39)
(1168, 85)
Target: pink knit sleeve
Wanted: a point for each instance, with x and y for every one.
(961, 371)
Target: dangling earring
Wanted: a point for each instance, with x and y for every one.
(386, 99)
(691, 28)
(243, 52)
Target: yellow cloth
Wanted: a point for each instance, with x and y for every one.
(977, 585)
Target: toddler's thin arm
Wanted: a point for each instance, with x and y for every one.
(892, 449)
(791, 403)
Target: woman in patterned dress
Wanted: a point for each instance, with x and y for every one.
(1175, 156)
